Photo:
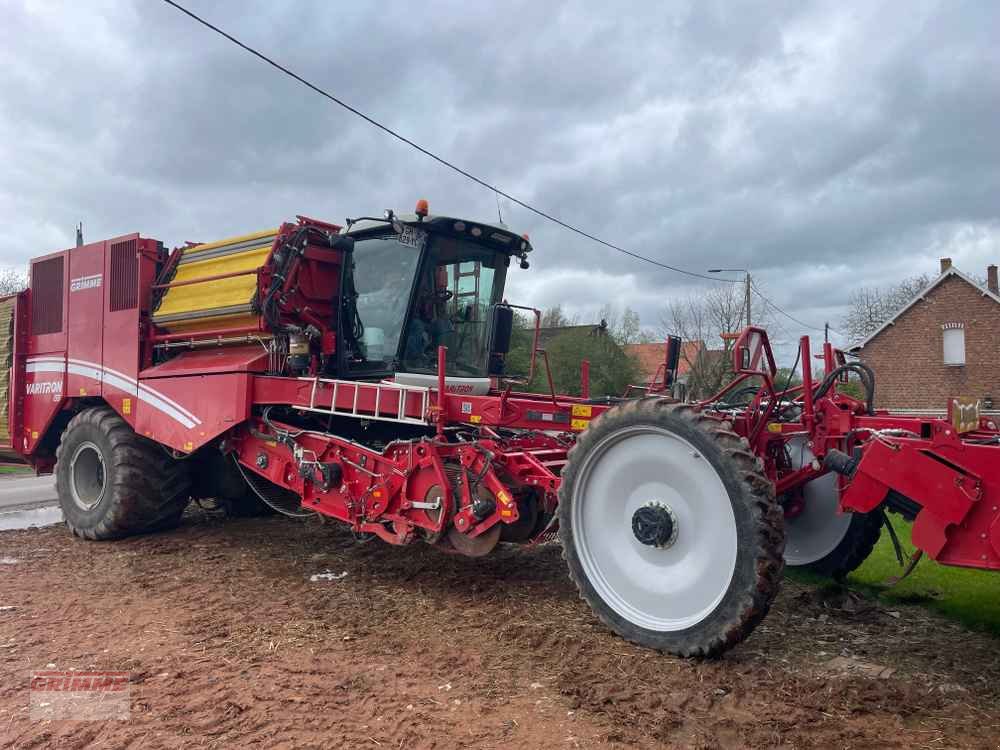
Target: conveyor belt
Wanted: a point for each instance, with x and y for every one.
(6, 349)
(222, 303)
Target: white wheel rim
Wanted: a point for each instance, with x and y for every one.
(660, 589)
(816, 531)
(87, 476)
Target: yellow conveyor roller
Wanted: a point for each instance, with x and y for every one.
(222, 303)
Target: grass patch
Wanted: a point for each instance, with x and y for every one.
(966, 595)
(15, 469)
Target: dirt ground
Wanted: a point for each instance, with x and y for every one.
(229, 643)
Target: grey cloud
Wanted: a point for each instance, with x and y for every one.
(824, 145)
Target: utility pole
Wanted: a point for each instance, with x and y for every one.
(748, 299)
(747, 282)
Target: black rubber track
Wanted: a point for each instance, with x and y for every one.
(146, 489)
(759, 519)
(859, 541)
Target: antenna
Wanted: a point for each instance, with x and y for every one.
(79, 234)
(499, 209)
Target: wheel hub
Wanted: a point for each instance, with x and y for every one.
(655, 525)
(88, 477)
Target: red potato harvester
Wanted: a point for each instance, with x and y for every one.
(360, 373)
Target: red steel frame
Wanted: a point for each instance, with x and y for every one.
(513, 444)
(950, 478)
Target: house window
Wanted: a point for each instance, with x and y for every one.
(954, 344)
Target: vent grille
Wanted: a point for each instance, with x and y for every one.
(47, 295)
(124, 282)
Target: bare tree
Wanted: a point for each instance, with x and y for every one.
(869, 307)
(706, 317)
(11, 281)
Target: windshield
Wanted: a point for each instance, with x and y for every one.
(384, 269)
(458, 284)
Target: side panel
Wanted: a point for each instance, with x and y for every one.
(7, 314)
(185, 412)
(120, 333)
(44, 329)
(85, 303)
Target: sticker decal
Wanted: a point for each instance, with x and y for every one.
(85, 282)
(412, 237)
(44, 387)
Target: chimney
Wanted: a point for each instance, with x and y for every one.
(945, 264)
(991, 279)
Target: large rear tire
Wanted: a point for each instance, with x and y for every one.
(670, 530)
(821, 539)
(112, 483)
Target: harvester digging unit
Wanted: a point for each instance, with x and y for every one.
(359, 373)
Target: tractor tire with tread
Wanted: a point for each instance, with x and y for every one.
(112, 483)
(856, 546)
(756, 517)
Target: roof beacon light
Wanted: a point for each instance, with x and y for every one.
(422, 208)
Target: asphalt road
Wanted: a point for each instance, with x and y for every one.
(23, 492)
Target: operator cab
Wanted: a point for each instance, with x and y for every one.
(417, 282)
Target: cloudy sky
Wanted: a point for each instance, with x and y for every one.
(824, 145)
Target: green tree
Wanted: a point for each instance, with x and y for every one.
(786, 375)
(611, 369)
(518, 360)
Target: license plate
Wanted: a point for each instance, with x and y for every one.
(964, 414)
(412, 237)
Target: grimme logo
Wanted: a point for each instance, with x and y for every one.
(85, 282)
(80, 696)
(44, 387)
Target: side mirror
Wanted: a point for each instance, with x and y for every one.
(672, 360)
(744, 357)
(501, 330)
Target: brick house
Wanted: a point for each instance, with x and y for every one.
(943, 343)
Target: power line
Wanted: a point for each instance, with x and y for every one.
(428, 153)
(791, 317)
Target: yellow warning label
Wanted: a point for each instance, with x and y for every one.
(83, 391)
(773, 427)
(504, 497)
(579, 424)
(506, 513)
(582, 410)
(126, 406)
(189, 446)
(34, 434)
(475, 419)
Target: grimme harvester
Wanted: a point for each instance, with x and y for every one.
(359, 373)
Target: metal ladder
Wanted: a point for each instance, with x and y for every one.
(397, 415)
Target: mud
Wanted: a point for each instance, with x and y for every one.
(229, 642)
